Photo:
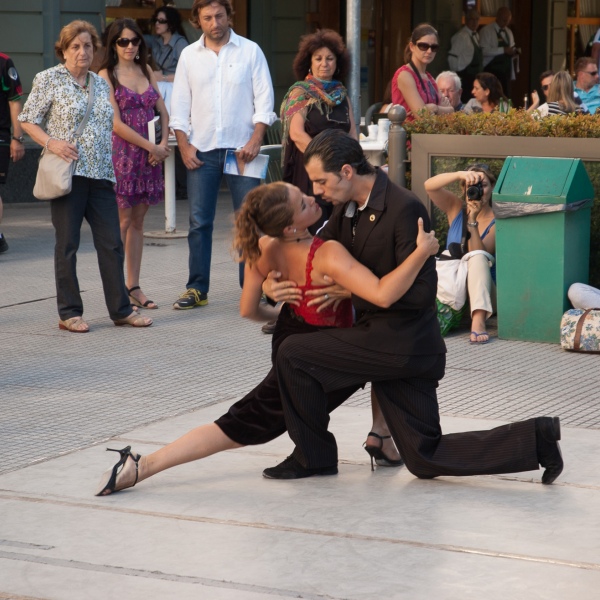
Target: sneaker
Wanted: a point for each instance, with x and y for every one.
(190, 299)
(290, 468)
(3, 244)
(269, 327)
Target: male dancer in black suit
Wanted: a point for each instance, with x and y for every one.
(399, 349)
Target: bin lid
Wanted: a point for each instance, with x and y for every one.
(543, 180)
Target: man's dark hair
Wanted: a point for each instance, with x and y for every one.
(335, 148)
(200, 4)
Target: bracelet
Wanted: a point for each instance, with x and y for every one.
(476, 224)
(47, 142)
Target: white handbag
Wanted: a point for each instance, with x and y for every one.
(452, 277)
(55, 175)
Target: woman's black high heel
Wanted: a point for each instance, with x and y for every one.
(376, 453)
(109, 479)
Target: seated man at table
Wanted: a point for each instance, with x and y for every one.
(586, 83)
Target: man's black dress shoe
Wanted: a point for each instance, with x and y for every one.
(547, 434)
(290, 468)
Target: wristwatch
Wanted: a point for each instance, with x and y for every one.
(19, 138)
(475, 224)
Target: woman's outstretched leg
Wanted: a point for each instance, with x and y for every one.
(196, 444)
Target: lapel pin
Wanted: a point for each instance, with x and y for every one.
(372, 218)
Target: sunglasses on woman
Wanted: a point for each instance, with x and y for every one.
(423, 47)
(161, 21)
(124, 42)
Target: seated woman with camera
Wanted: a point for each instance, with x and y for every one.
(471, 227)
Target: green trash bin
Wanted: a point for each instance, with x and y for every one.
(542, 208)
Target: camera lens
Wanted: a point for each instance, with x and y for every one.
(475, 192)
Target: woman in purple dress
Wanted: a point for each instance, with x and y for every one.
(137, 161)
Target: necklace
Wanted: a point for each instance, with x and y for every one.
(305, 236)
(86, 82)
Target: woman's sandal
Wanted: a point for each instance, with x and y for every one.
(108, 484)
(74, 324)
(376, 453)
(134, 320)
(477, 335)
(136, 302)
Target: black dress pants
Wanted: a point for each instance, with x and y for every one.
(93, 200)
(311, 366)
(258, 417)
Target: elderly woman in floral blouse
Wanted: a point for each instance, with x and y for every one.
(58, 100)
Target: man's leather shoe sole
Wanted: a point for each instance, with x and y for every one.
(547, 432)
(290, 468)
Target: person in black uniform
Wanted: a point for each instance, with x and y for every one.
(11, 146)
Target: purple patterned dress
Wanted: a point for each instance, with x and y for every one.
(137, 181)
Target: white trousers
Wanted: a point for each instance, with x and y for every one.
(584, 296)
(480, 285)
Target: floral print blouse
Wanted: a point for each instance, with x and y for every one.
(58, 103)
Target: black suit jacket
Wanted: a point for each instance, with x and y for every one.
(385, 235)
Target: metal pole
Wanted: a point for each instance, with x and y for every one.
(397, 154)
(353, 43)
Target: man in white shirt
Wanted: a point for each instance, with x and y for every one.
(222, 99)
(466, 55)
(499, 51)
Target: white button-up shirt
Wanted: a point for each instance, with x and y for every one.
(218, 98)
(488, 40)
(462, 49)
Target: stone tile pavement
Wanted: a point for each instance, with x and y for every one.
(217, 529)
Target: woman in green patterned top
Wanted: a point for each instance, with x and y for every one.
(317, 101)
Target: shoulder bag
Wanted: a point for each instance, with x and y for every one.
(55, 175)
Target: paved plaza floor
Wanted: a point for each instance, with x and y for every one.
(216, 528)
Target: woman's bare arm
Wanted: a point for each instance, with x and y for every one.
(336, 262)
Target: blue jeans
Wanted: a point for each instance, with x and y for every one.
(203, 190)
(93, 200)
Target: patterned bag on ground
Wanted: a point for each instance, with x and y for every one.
(580, 330)
(448, 317)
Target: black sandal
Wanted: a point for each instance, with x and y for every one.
(376, 453)
(108, 483)
(136, 302)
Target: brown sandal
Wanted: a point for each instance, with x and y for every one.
(135, 320)
(74, 324)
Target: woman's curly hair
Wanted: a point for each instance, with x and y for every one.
(265, 210)
(488, 81)
(322, 38)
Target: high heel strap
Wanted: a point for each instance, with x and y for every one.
(125, 454)
(381, 437)
(109, 482)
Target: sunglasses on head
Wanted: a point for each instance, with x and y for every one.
(161, 21)
(423, 46)
(124, 42)
(482, 166)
